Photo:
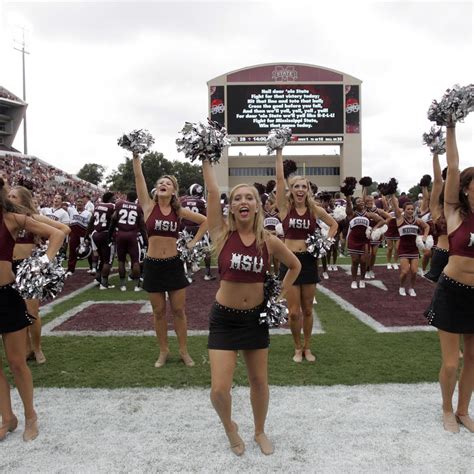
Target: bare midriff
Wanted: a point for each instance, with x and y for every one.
(240, 295)
(6, 273)
(296, 245)
(460, 269)
(22, 251)
(443, 242)
(161, 247)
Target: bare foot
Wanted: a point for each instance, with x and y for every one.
(8, 427)
(236, 442)
(31, 429)
(265, 444)
(450, 423)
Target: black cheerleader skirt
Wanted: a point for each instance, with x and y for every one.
(451, 308)
(439, 260)
(309, 269)
(13, 313)
(163, 274)
(234, 329)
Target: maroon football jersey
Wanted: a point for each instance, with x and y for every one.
(102, 216)
(128, 214)
(194, 204)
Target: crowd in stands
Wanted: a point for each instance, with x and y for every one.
(45, 180)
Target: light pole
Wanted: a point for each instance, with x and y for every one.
(23, 52)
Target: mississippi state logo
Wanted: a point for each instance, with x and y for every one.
(285, 74)
(352, 106)
(217, 106)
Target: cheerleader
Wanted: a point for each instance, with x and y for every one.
(299, 213)
(409, 228)
(392, 237)
(25, 243)
(14, 317)
(271, 222)
(369, 202)
(163, 270)
(243, 250)
(358, 237)
(426, 217)
(451, 309)
(440, 255)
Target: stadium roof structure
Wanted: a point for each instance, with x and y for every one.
(12, 112)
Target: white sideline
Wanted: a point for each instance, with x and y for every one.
(371, 429)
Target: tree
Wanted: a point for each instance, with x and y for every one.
(154, 165)
(92, 172)
(186, 173)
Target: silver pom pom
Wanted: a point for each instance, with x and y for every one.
(455, 105)
(138, 141)
(339, 213)
(435, 140)
(278, 138)
(37, 278)
(191, 257)
(203, 142)
(275, 313)
(317, 244)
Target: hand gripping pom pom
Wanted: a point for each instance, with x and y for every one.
(191, 257)
(38, 278)
(349, 186)
(425, 181)
(366, 181)
(419, 243)
(339, 213)
(138, 141)
(368, 232)
(378, 232)
(278, 138)
(454, 106)
(435, 140)
(289, 167)
(275, 313)
(429, 242)
(203, 142)
(318, 245)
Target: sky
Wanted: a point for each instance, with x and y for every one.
(99, 69)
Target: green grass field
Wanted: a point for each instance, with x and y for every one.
(348, 353)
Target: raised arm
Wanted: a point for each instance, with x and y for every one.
(436, 189)
(215, 219)
(142, 191)
(451, 187)
(281, 201)
(349, 207)
(396, 207)
(425, 202)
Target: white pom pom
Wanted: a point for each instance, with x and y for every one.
(324, 228)
(429, 242)
(419, 243)
(339, 213)
(279, 229)
(368, 232)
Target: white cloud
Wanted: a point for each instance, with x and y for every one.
(99, 69)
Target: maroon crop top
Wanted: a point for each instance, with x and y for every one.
(161, 225)
(296, 227)
(25, 237)
(240, 263)
(461, 241)
(6, 240)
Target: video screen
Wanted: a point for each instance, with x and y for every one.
(305, 108)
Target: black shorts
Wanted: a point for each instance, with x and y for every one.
(13, 313)
(163, 274)
(451, 308)
(439, 260)
(233, 329)
(309, 269)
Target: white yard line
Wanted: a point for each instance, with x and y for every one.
(392, 428)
